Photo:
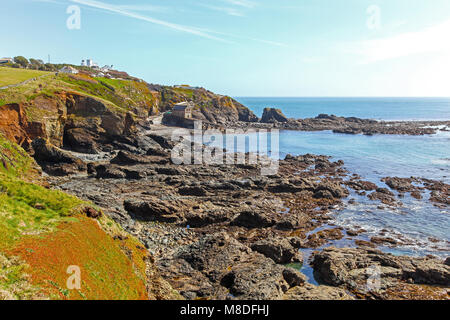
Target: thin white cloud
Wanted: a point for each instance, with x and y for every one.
(431, 39)
(128, 13)
(143, 7)
(227, 10)
(242, 3)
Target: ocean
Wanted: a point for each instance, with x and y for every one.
(375, 157)
(368, 108)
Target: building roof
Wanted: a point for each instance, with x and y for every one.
(183, 106)
(68, 68)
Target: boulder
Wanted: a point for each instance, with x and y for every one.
(251, 219)
(54, 160)
(321, 237)
(80, 140)
(271, 115)
(128, 159)
(107, 171)
(46, 152)
(360, 185)
(328, 190)
(278, 249)
(152, 151)
(152, 209)
(351, 267)
(383, 195)
(399, 184)
(312, 292)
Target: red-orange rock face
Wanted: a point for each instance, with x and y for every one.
(14, 123)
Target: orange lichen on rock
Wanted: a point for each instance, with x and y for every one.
(110, 269)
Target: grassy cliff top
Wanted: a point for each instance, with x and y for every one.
(10, 76)
(118, 95)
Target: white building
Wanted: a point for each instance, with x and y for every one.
(68, 69)
(89, 63)
(106, 68)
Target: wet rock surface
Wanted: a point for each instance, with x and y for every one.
(273, 118)
(371, 273)
(439, 192)
(221, 267)
(312, 292)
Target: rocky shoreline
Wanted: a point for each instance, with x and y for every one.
(226, 232)
(275, 119)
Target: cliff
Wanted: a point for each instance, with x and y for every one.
(44, 231)
(210, 107)
(87, 114)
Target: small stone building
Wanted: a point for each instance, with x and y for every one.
(183, 110)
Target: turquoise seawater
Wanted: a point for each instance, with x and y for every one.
(378, 156)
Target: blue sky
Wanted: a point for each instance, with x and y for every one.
(248, 47)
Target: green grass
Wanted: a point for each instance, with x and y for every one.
(27, 207)
(188, 93)
(14, 161)
(13, 75)
(42, 232)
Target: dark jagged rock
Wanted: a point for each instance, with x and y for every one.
(351, 268)
(311, 292)
(249, 219)
(80, 140)
(152, 209)
(109, 172)
(192, 191)
(156, 152)
(127, 158)
(399, 184)
(271, 115)
(360, 185)
(278, 249)
(162, 141)
(92, 213)
(320, 238)
(384, 195)
(329, 190)
(218, 265)
(56, 161)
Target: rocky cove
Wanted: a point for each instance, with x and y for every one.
(225, 231)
